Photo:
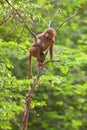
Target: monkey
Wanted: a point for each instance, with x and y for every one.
(41, 43)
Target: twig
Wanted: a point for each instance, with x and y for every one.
(5, 19)
(50, 21)
(24, 21)
(51, 61)
(66, 20)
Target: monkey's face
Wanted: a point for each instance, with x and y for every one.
(50, 33)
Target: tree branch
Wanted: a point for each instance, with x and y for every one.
(23, 20)
(66, 20)
(5, 19)
(28, 101)
(50, 21)
(51, 61)
(30, 94)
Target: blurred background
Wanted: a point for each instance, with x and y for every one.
(60, 98)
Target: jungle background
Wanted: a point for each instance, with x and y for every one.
(60, 98)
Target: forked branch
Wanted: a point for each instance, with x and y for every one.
(50, 21)
(29, 99)
(30, 94)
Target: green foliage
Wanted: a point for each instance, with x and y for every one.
(60, 98)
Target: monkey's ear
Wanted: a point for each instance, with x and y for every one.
(46, 34)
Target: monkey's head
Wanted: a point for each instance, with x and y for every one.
(50, 33)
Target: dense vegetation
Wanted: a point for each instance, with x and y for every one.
(60, 98)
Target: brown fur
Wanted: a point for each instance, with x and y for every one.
(42, 42)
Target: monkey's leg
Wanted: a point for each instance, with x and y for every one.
(42, 59)
(30, 67)
(38, 56)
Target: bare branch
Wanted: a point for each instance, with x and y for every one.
(24, 21)
(51, 61)
(66, 20)
(50, 21)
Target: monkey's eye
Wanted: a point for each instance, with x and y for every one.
(47, 35)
